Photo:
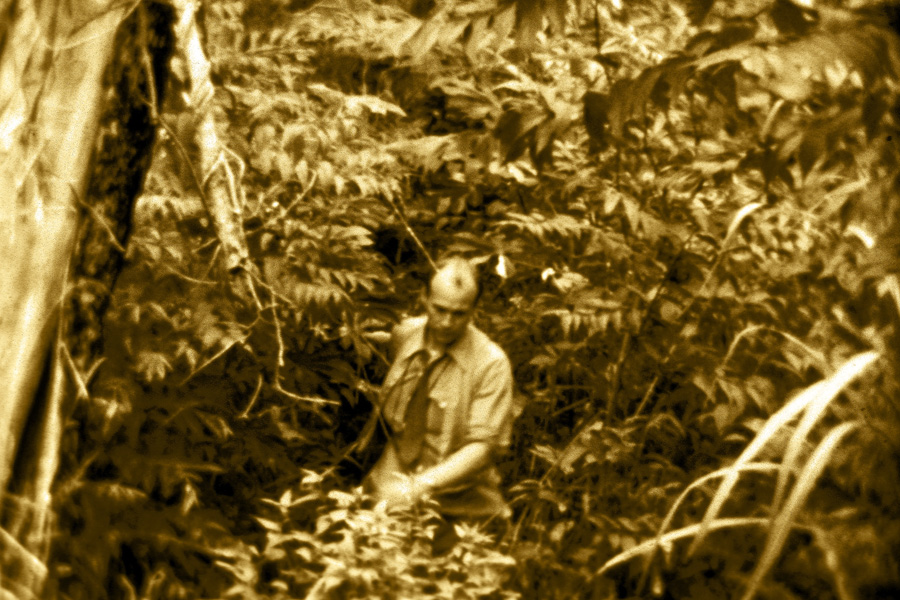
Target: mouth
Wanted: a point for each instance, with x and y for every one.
(442, 335)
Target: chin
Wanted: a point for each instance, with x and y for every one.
(446, 339)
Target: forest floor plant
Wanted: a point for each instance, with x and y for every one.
(323, 543)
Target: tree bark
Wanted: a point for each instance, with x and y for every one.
(218, 187)
(80, 89)
(50, 87)
(51, 73)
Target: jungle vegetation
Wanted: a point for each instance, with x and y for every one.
(686, 215)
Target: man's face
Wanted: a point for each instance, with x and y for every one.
(449, 311)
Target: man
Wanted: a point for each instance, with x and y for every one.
(447, 400)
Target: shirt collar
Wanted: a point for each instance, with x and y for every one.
(457, 350)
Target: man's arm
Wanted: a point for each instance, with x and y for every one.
(401, 488)
(489, 423)
(458, 467)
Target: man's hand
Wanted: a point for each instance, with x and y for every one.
(403, 491)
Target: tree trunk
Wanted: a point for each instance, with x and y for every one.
(80, 86)
(52, 95)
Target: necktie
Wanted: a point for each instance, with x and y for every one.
(409, 444)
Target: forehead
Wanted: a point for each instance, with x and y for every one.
(451, 297)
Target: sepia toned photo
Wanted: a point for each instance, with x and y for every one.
(450, 300)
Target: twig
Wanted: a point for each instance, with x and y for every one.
(220, 162)
(280, 361)
(247, 278)
(80, 382)
(301, 196)
(76, 480)
(181, 408)
(215, 357)
(99, 218)
(172, 270)
(212, 261)
(246, 411)
(262, 201)
(649, 393)
(313, 399)
(412, 233)
(185, 155)
(239, 192)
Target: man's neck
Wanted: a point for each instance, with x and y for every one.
(434, 349)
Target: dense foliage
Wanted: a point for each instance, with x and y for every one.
(686, 214)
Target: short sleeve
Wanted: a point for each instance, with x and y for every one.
(491, 408)
(400, 334)
(395, 389)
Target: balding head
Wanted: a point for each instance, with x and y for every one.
(457, 274)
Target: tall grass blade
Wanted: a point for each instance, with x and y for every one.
(673, 536)
(813, 413)
(774, 423)
(811, 416)
(823, 390)
(781, 525)
(670, 516)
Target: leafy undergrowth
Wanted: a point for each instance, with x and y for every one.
(686, 216)
(338, 544)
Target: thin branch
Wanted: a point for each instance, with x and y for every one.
(99, 218)
(185, 155)
(279, 363)
(92, 370)
(212, 261)
(648, 394)
(80, 382)
(173, 271)
(76, 480)
(312, 399)
(215, 357)
(246, 411)
(295, 201)
(280, 360)
(34, 564)
(412, 233)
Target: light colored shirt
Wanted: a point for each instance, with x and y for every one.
(470, 400)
